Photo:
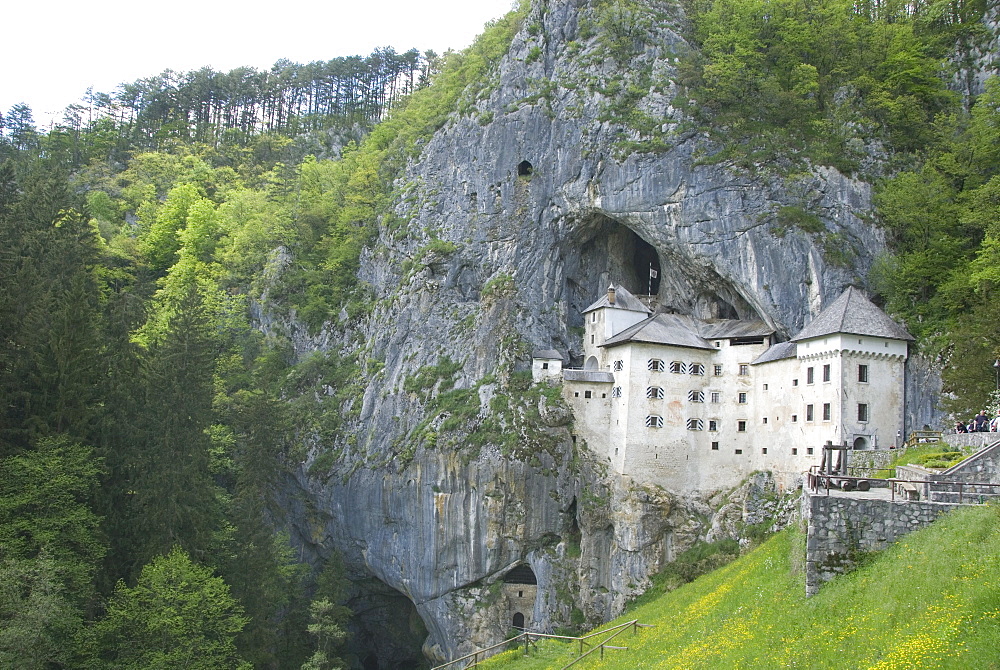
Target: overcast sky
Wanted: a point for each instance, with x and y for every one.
(53, 51)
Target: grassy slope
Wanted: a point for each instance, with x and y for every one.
(930, 601)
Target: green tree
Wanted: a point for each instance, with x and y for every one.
(45, 508)
(178, 615)
(40, 623)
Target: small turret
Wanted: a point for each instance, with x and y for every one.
(611, 294)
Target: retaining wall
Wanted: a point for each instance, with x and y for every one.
(841, 529)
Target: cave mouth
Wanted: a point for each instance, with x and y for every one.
(602, 250)
(386, 632)
(520, 574)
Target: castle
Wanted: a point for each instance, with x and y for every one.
(696, 405)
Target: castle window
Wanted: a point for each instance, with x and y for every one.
(826, 372)
(809, 412)
(764, 450)
(695, 424)
(588, 394)
(739, 451)
(696, 396)
(677, 367)
(653, 421)
(765, 420)
(654, 392)
(795, 382)
(696, 369)
(715, 446)
(741, 398)
(795, 418)
(545, 366)
(744, 369)
(716, 396)
(741, 426)
(809, 451)
(655, 365)
(618, 366)
(765, 387)
(826, 411)
(717, 370)
(862, 412)
(809, 376)
(713, 425)
(795, 451)
(591, 339)
(863, 374)
(616, 392)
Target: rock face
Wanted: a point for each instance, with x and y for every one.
(518, 214)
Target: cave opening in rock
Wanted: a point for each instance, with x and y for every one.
(386, 632)
(524, 169)
(520, 574)
(602, 252)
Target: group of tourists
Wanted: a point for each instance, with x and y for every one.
(980, 424)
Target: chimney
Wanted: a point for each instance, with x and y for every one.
(611, 294)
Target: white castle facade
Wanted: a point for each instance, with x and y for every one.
(696, 405)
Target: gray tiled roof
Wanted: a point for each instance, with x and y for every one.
(623, 300)
(777, 352)
(685, 331)
(854, 314)
(595, 376)
(547, 354)
(725, 328)
(672, 329)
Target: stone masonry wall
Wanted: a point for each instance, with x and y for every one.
(841, 528)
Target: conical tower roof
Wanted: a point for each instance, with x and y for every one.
(854, 314)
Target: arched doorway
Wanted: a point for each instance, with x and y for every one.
(860, 442)
(518, 621)
(591, 363)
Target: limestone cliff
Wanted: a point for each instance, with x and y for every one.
(452, 469)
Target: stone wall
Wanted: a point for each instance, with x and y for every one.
(841, 529)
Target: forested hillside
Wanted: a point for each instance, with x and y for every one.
(146, 421)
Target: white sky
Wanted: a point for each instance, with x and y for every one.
(52, 51)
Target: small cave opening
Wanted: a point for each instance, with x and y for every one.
(385, 630)
(524, 169)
